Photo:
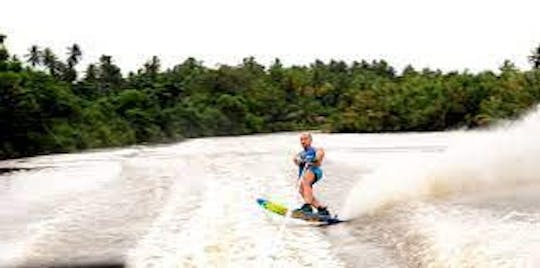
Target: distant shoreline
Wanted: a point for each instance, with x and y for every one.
(46, 106)
(8, 170)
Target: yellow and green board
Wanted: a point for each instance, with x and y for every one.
(282, 210)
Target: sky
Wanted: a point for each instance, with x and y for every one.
(458, 35)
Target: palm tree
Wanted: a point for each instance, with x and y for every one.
(74, 55)
(34, 56)
(49, 60)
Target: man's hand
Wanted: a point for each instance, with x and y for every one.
(301, 159)
(298, 159)
(310, 159)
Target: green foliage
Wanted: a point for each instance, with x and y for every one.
(52, 111)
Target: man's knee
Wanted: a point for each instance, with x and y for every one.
(306, 185)
(309, 179)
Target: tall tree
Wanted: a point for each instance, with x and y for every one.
(34, 56)
(535, 58)
(69, 74)
(4, 55)
(152, 66)
(110, 76)
(88, 87)
(91, 73)
(74, 55)
(276, 71)
(49, 59)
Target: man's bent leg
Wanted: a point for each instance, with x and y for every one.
(307, 183)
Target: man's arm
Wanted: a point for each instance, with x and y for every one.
(319, 155)
(296, 159)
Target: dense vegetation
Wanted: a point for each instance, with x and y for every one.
(46, 107)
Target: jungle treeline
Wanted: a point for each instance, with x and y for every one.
(47, 106)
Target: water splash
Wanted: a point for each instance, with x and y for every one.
(477, 161)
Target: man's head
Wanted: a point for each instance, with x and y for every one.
(305, 139)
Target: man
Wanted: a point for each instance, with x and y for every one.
(309, 171)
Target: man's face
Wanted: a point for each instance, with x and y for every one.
(305, 140)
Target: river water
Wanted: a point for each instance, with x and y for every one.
(449, 199)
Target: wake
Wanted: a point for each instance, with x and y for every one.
(503, 157)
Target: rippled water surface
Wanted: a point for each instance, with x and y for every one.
(192, 204)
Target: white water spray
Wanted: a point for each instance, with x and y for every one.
(504, 157)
